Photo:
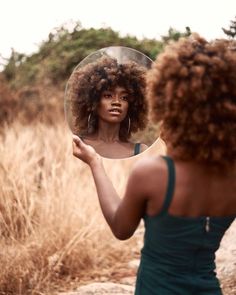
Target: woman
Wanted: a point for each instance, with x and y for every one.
(108, 105)
(190, 198)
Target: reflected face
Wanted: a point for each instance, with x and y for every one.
(113, 105)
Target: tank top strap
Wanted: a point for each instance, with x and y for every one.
(170, 184)
(137, 148)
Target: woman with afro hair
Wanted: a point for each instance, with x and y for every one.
(108, 105)
(186, 198)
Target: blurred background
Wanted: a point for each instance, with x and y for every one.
(53, 235)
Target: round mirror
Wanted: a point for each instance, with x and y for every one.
(105, 102)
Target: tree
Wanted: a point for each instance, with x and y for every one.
(13, 62)
(174, 34)
(231, 32)
(69, 44)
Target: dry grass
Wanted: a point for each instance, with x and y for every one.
(52, 230)
(53, 235)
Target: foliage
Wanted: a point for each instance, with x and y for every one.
(66, 47)
(34, 84)
(231, 32)
(173, 34)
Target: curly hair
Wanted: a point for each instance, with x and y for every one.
(191, 89)
(86, 85)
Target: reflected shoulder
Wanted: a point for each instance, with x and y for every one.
(143, 147)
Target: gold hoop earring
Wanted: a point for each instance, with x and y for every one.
(129, 123)
(89, 122)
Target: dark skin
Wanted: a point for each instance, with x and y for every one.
(112, 110)
(199, 191)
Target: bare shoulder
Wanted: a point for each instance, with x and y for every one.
(149, 166)
(143, 147)
(148, 179)
(159, 146)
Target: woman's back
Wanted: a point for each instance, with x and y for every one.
(198, 190)
(181, 241)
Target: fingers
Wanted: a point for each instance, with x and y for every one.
(76, 144)
(84, 152)
(76, 139)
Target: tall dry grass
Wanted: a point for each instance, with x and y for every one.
(52, 230)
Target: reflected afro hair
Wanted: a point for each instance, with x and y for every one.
(86, 85)
(192, 91)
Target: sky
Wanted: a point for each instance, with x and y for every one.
(24, 24)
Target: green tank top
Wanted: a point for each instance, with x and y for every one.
(178, 256)
(137, 148)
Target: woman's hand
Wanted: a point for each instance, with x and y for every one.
(85, 152)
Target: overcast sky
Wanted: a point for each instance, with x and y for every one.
(25, 23)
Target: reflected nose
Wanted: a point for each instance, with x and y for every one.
(116, 100)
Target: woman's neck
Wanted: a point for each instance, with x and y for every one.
(107, 132)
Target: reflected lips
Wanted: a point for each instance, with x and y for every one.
(115, 111)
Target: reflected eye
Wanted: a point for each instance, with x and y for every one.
(124, 97)
(111, 95)
(107, 95)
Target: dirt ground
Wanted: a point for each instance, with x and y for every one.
(125, 273)
(226, 261)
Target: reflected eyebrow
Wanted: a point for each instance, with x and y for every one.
(119, 92)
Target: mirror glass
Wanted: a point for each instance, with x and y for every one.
(105, 102)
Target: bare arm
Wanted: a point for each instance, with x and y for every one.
(122, 215)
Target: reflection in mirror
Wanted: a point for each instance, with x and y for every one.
(105, 102)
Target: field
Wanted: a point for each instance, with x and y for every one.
(53, 235)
